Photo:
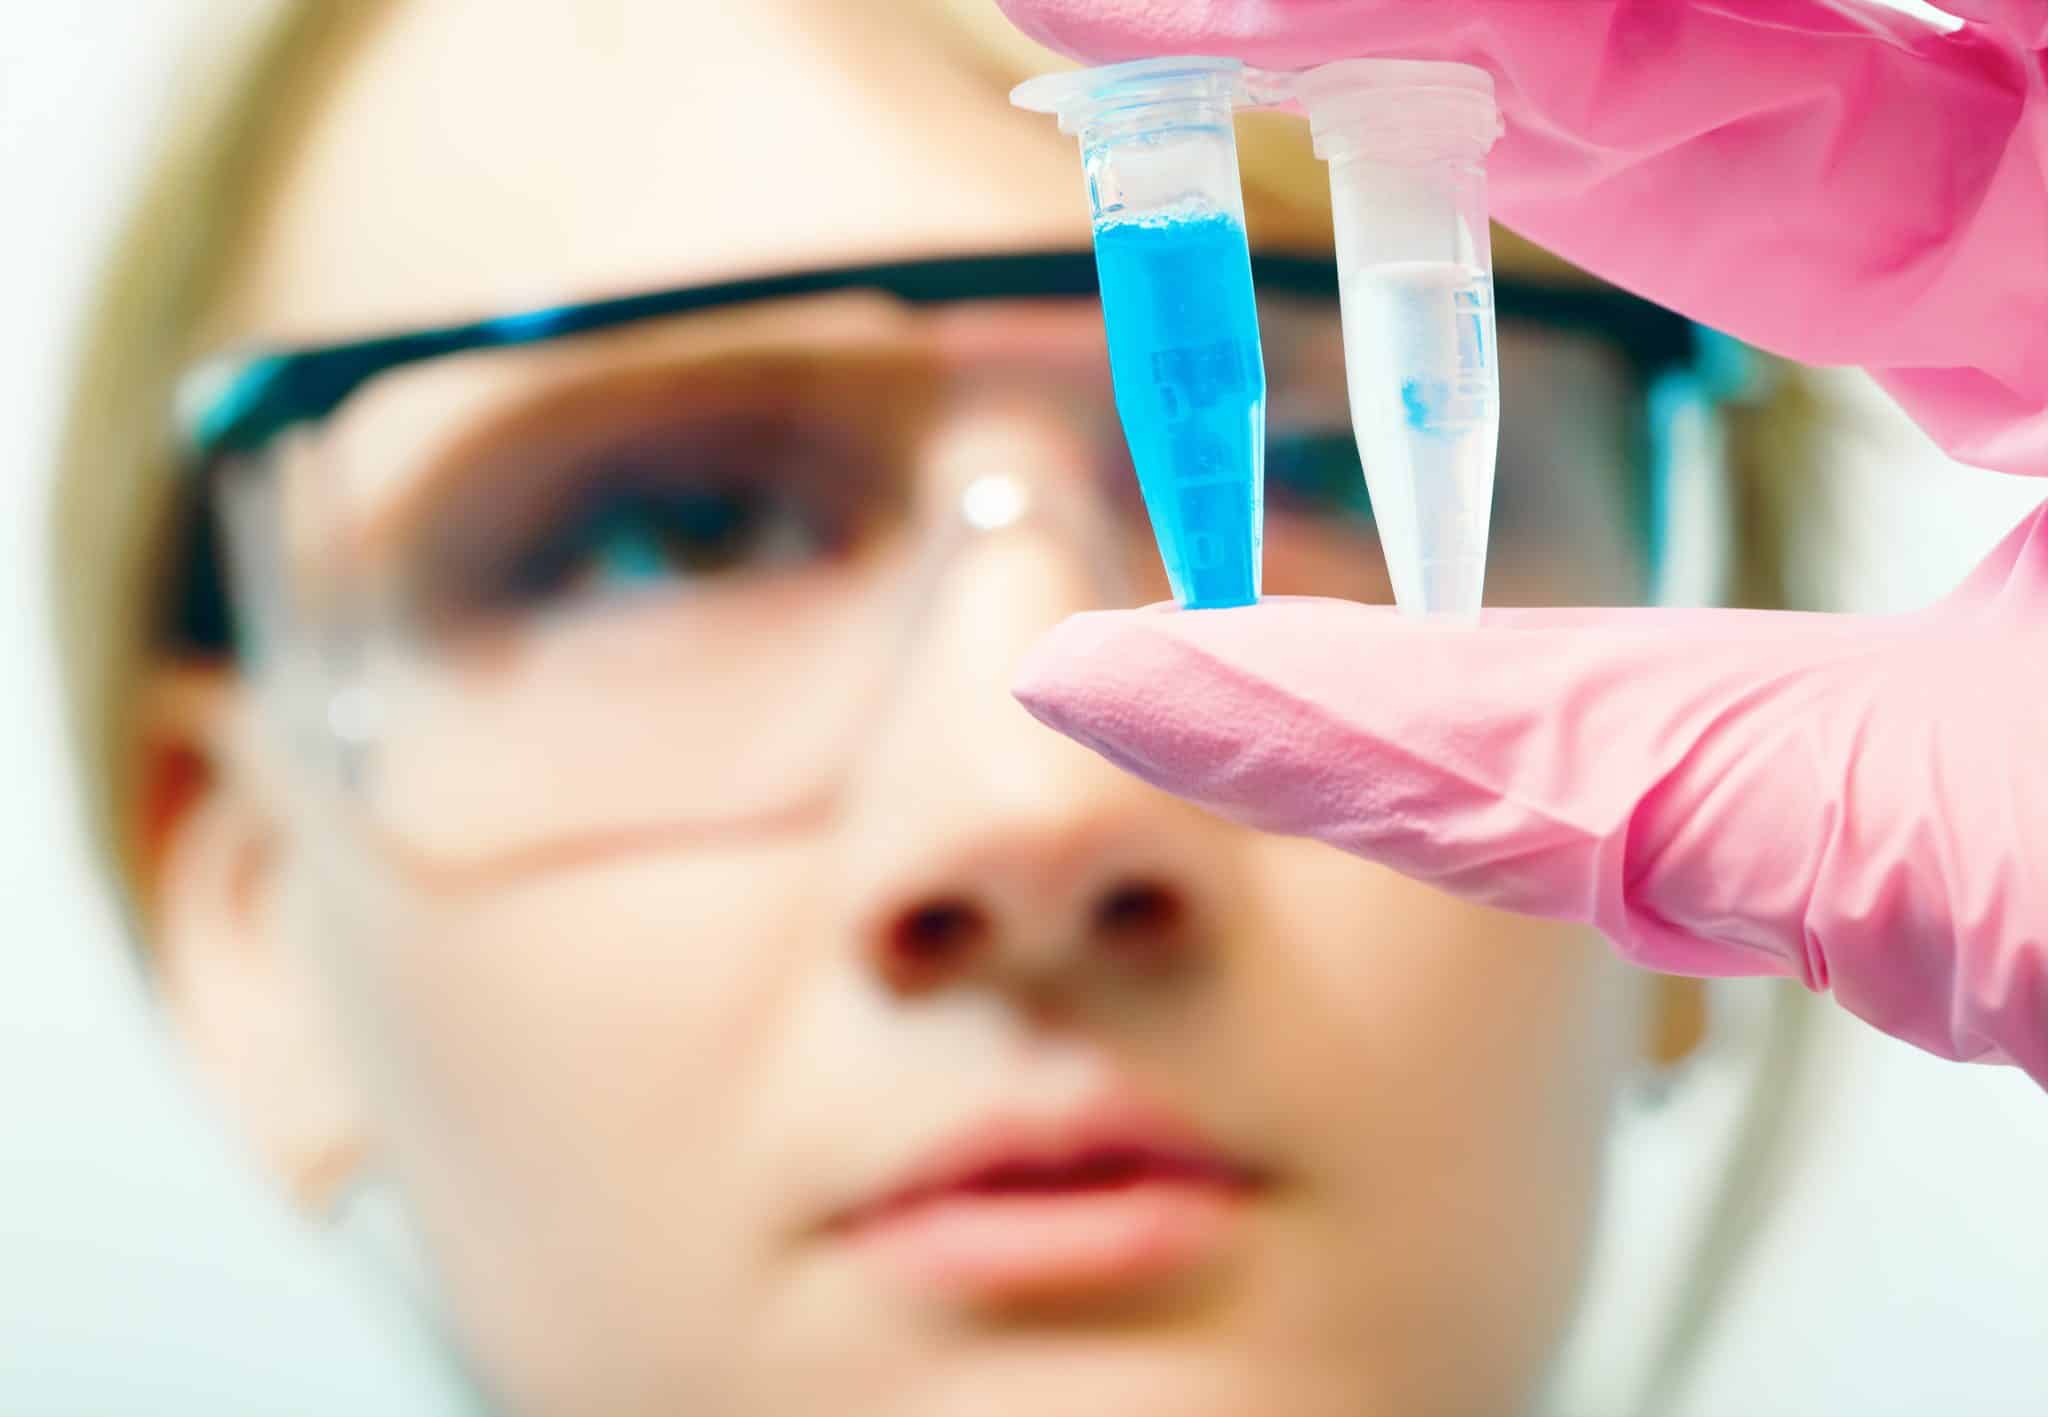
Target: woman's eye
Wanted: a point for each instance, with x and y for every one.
(1316, 472)
(638, 539)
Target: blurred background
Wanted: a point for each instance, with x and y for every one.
(144, 1269)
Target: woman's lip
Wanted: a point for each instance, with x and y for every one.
(996, 1249)
(1020, 1208)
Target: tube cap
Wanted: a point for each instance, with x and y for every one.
(1390, 110)
(1079, 96)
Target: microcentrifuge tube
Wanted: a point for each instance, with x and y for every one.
(1406, 142)
(1178, 310)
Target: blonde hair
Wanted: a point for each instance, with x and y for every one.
(117, 461)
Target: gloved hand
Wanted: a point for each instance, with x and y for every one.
(1858, 802)
(1831, 181)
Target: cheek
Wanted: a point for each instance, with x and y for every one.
(610, 973)
(1497, 1016)
(558, 1070)
(1450, 1070)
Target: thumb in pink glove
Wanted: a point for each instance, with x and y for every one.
(1857, 802)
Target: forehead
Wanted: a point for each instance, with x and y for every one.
(467, 156)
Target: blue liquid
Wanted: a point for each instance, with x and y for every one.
(1183, 332)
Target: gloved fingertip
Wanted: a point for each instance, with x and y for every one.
(1172, 696)
(1061, 674)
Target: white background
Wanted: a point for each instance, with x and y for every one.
(142, 1271)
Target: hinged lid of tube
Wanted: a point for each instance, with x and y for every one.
(1082, 98)
(1156, 136)
(1390, 110)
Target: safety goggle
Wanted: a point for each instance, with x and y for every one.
(611, 575)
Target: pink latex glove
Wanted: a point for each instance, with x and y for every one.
(1858, 802)
(1834, 182)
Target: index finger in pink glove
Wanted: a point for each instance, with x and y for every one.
(1835, 182)
(1860, 803)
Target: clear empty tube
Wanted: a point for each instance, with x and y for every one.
(1160, 158)
(1406, 142)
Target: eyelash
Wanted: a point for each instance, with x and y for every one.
(1314, 472)
(623, 537)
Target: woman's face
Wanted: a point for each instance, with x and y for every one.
(1009, 1085)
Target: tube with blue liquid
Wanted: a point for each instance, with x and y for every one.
(1406, 141)
(1160, 158)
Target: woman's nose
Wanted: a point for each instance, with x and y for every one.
(986, 848)
(1137, 927)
